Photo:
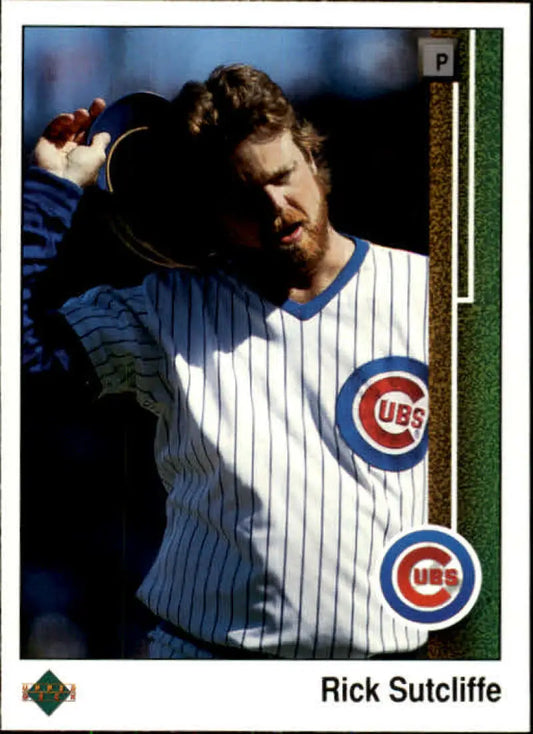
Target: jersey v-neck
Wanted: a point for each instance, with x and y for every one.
(304, 311)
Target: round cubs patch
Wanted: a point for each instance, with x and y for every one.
(430, 577)
(382, 412)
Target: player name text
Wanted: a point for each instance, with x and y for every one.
(458, 689)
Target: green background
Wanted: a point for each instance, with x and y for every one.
(479, 350)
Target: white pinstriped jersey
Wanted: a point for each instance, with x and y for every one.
(275, 518)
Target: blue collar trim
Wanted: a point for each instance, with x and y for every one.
(307, 310)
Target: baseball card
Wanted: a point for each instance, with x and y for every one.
(265, 366)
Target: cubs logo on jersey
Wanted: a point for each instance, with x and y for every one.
(382, 412)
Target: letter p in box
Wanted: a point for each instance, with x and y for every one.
(436, 57)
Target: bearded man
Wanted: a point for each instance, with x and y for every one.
(275, 364)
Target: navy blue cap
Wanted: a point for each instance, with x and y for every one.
(127, 121)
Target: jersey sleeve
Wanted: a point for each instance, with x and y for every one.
(97, 343)
(116, 330)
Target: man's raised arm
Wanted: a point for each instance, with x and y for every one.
(62, 166)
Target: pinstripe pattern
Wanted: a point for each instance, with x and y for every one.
(274, 524)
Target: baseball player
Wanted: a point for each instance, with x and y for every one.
(288, 374)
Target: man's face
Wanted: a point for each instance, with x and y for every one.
(275, 202)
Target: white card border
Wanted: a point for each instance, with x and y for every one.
(252, 695)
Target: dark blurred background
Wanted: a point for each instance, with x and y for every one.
(91, 502)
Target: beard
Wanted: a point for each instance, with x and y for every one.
(306, 252)
(296, 260)
(276, 267)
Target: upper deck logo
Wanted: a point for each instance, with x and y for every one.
(430, 576)
(382, 412)
(48, 692)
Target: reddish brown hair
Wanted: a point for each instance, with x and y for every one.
(236, 102)
(192, 146)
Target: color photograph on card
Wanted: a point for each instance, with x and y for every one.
(243, 572)
(397, 109)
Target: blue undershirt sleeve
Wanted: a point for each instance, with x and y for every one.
(49, 344)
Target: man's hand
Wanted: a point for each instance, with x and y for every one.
(62, 150)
